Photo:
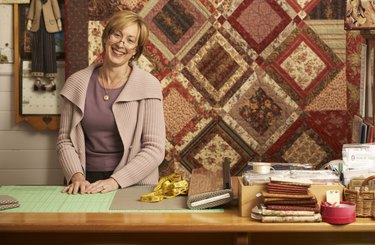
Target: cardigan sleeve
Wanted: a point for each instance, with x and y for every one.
(150, 151)
(66, 153)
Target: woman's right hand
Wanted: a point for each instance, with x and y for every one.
(78, 184)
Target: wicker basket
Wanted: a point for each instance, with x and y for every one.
(364, 200)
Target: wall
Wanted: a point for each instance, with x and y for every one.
(27, 156)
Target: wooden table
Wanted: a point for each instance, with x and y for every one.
(172, 228)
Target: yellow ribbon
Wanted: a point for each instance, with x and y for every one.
(167, 187)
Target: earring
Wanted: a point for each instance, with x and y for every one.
(132, 59)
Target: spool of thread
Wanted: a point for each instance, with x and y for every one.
(262, 167)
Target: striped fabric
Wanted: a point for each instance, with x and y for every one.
(139, 116)
(44, 53)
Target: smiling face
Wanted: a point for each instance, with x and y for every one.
(121, 45)
(119, 31)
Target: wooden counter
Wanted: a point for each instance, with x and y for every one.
(172, 228)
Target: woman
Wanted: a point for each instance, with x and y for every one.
(112, 130)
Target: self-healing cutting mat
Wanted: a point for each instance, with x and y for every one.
(51, 199)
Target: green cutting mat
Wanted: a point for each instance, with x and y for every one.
(50, 199)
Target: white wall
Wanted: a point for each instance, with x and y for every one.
(27, 156)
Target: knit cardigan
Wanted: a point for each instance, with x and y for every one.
(139, 116)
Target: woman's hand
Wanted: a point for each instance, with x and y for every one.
(79, 184)
(102, 186)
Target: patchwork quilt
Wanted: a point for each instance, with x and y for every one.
(251, 80)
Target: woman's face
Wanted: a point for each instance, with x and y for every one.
(122, 45)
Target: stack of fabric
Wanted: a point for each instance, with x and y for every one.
(288, 201)
(7, 202)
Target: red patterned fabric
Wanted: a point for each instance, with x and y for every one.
(75, 24)
(315, 208)
(290, 202)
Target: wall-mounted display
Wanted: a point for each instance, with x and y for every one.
(37, 95)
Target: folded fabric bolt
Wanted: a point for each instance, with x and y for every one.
(292, 219)
(315, 209)
(289, 192)
(286, 186)
(290, 181)
(279, 201)
(309, 195)
(9, 206)
(7, 202)
(284, 216)
(5, 199)
(287, 189)
(271, 212)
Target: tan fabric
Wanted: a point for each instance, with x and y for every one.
(51, 13)
(139, 116)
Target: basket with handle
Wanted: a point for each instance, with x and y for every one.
(364, 199)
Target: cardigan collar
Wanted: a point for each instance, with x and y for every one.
(140, 85)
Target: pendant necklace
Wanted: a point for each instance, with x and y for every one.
(106, 94)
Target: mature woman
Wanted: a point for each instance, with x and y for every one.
(112, 130)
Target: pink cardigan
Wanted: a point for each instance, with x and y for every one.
(139, 116)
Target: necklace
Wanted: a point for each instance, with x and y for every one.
(106, 94)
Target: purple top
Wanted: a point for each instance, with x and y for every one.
(104, 148)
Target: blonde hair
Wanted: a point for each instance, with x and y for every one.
(125, 18)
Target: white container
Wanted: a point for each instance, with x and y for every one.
(262, 167)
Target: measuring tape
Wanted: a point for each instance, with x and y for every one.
(167, 187)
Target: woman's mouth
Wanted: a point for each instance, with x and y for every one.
(118, 52)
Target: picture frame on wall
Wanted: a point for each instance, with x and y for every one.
(38, 107)
(359, 15)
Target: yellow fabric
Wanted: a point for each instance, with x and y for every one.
(167, 187)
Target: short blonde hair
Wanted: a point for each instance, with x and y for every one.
(125, 18)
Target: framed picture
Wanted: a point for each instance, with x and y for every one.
(36, 105)
(25, 37)
(360, 15)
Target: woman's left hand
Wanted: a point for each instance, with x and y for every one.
(102, 186)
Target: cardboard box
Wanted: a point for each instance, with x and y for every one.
(249, 195)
